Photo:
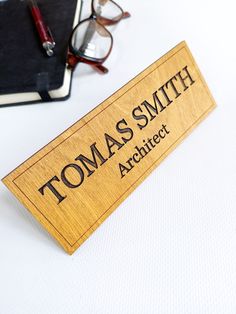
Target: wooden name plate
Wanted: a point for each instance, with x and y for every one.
(75, 182)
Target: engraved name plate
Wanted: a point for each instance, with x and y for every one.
(75, 182)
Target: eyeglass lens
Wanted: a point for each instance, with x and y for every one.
(107, 9)
(91, 40)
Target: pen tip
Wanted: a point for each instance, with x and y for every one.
(50, 52)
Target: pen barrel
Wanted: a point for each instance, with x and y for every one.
(40, 25)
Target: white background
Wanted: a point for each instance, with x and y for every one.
(171, 246)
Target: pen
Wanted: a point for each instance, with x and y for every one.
(43, 30)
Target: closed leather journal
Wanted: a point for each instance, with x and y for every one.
(27, 74)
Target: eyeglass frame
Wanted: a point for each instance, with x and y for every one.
(73, 59)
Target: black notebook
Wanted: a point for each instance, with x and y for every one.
(27, 74)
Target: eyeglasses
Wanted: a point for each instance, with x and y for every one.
(90, 41)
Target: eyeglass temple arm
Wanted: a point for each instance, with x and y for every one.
(99, 68)
(72, 61)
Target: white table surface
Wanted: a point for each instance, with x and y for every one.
(171, 246)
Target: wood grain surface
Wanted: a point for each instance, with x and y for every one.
(75, 182)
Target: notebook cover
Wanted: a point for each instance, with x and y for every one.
(24, 65)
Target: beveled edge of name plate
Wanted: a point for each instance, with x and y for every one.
(19, 183)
